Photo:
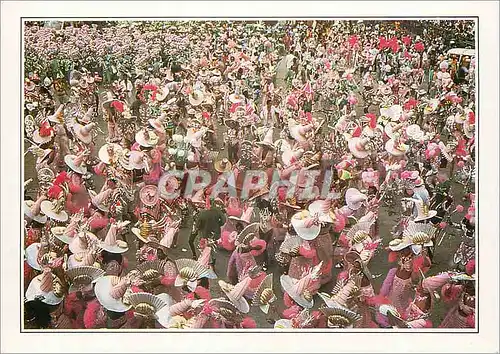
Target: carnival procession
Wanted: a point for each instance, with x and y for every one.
(283, 175)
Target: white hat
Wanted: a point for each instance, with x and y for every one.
(354, 198)
(196, 97)
(110, 291)
(84, 132)
(235, 293)
(54, 210)
(42, 286)
(306, 225)
(31, 253)
(58, 116)
(396, 148)
(77, 162)
(146, 138)
(110, 151)
(357, 146)
(110, 243)
(33, 211)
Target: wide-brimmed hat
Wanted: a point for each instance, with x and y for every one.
(149, 195)
(84, 258)
(264, 295)
(145, 232)
(396, 147)
(236, 98)
(354, 198)
(423, 211)
(54, 210)
(84, 132)
(306, 225)
(77, 162)
(391, 128)
(298, 289)
(414, 132)
(82, 278)
(302, 320)
(146, 138)
(168, 184)
(87, 117)
(111, 244)
(254, 194)
(420, 235)
(162, 93)
(31, 254)
(340, 317)
(110, 153)
(393, 112)
(299, 131)
(136, 160)
(43, 134)
(223, 165)
(58, 116)
(44, 287)
(196, 97)
(110, 291)
(393, 316)
(60, 233)
(189, 271)
(32, 209)
(323, 209)
(101, 200)
(357, 146)
(245, 216)
(235, 293)
(268, 139)
(146, 304)
(359, 234)
(83, 242)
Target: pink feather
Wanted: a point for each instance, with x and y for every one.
(248, 322)
(258, 243)
(291, 312)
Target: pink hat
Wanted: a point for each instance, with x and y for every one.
(33, 209)
(299, 132)
(76, 162)
(110, 291)
(357, 146)
(235, 293)
(58, 116)
(43, 286)
(82, 242)
(101, 200)
(298, 289)
(111, 244)
(245, 216)
(354, 198)
(268, 139)
(83, 132)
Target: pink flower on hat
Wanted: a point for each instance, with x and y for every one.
(419, 47)
(442, 225)
(459, 208)
(406, 40)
